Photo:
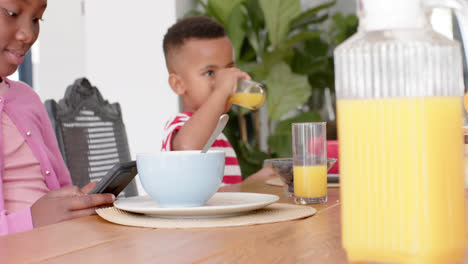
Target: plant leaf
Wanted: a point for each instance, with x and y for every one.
(285, 90)
(280, 141)
(312, 58)
(261, 71)
(300, 37)
(278, 16)
(342, 27)
(255, 26)
(222, 9)
(235, 29)
(254, 41)
(308, 21)
(311, 16)
(246, 66)
(309, 65)
(322, 6)
(250, 158)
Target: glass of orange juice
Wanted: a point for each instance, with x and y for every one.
(249, 94)
(310, 162)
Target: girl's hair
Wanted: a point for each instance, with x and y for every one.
(196, 27)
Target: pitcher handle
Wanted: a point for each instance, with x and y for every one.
(460, 8)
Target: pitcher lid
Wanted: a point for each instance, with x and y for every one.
(391, 14)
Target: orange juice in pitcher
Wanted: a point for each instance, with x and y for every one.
(399, 104)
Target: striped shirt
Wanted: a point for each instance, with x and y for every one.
(232, 173)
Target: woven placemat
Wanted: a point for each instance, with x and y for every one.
(277, 212)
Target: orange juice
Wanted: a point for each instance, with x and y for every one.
(252, 101)
(310, 181)
(401, 176)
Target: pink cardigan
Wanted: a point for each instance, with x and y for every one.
(27, 112)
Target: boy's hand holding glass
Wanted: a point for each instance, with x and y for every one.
(225, 81)
(242, 91)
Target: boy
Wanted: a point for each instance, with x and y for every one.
(200, 60)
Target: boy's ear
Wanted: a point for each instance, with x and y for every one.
(176, 84)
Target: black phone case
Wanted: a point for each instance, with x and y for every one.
(117, 178)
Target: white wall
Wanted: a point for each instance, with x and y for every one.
(117, 45)
(61, 49)
(182, 6)
(124, 58)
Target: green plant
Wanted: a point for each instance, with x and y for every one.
(288, 49)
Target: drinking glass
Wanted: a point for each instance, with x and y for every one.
(249, 94)
(310, 162)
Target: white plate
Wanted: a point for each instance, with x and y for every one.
(221, 204)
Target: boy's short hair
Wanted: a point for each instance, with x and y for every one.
(196, 27)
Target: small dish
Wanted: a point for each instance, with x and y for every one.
(220, 205)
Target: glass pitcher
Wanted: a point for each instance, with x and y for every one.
(399, 93)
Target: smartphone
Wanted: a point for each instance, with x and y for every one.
(117, 178)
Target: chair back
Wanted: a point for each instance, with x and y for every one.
(90, 133)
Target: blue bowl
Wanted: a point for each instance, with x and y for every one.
(181, 178)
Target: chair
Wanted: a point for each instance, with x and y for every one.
(90, 133)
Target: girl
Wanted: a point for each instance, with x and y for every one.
(35, 185)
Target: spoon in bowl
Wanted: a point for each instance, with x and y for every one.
(223, 119)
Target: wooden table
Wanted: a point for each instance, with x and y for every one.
(316, 239)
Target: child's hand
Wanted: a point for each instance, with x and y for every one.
(225, 81)
(67, 203)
